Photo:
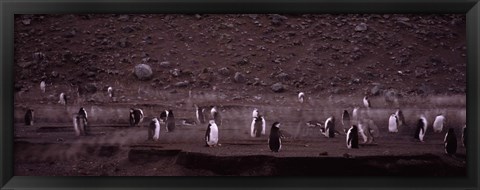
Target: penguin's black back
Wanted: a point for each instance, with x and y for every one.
(201, 117)
(258, 126)
(207, 134)
(274, 139)
(419, 129)
(163, 115)
(331, 129)
(451, 142)
(216, 117)
(170, 121)
(137, 115)
(28, 117)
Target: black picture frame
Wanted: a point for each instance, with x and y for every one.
(8, 8)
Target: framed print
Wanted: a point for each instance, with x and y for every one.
(272, 94)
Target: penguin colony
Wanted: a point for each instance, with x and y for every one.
(353, 125)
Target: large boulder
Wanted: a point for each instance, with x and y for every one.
(143, 72)
(278, 87)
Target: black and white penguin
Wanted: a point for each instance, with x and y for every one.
(258, 126)
(216, 116)
(366, 102)
(450, 142)
(211, 135)
(110, 92)
(154, 129)
(401, 118)
(352, 137)
(80, 125)
(345, 120)
(301, 97)
(29, 117)
(200, 113)
(393, 123)
(62, 99)
(275, 141)
(439, 123)
(83, 112)
(136, 117)
(421, 128)
(42, 86)
(170, 122)
(329, 130)
(464, 136)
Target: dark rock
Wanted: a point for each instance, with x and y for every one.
(70, 34)
(143, 72)
(278, 87)
(225, 71)
(123, 43)
(38, 57)
(277, 19)
(283, 76)
(390, 96)
(239, 78)
(54, 74)
(376, 90)
(88, 88)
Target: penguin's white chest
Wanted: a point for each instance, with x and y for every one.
(213, 140)
(392, 124)
(438, 124)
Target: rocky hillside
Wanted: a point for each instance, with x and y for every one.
(241, 54)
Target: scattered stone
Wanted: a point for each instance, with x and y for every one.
(277, 19)
(278, 87)
(182, 84)
(123, 43)
(123, 18)
(175, 72)
(376, 90)
(361, 27)
(143, 72)
(165, 64)
(239, 78)
(54, 74)
(27, 21)
(283, 76)
(225, 71)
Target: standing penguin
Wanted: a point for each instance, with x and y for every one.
(154, 129)
(421, 128)
(42, 86)
(301, 97)
(258, 126)
(200, 113)
(275, 141)
(352, 137)
(79, 125)
(136, 117)
(366, 102)
(439, 123)
(211, 135)
(401, 118)
(216, 116)
(450, 142)
(345, 120)
(163, 116)
(170, 121)
(29, 117)
(62, 99)
(464, 136)
(83, 112)
(110, 92)
(393, 124)
(329, 130)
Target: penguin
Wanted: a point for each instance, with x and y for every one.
(421, 128)
(154, 129)
(450, 142)
(352, 137)
(329, 130)
(258, 126)
(393, 124)
(366, 102)
(200, 112)
(345, 120)
(464, 136)
(136, 117)
(42, 86)
(29, 117)
(163, 116)
(110, 92)
(401, 118)
(79, 125)
(439, 123)
(301, 97)
(255, 112)
(211, 135)
(62, 99)
(170, 122)
(83, 112)
(368, 130)
(216, 116)
(274, 140)
(355, 113)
